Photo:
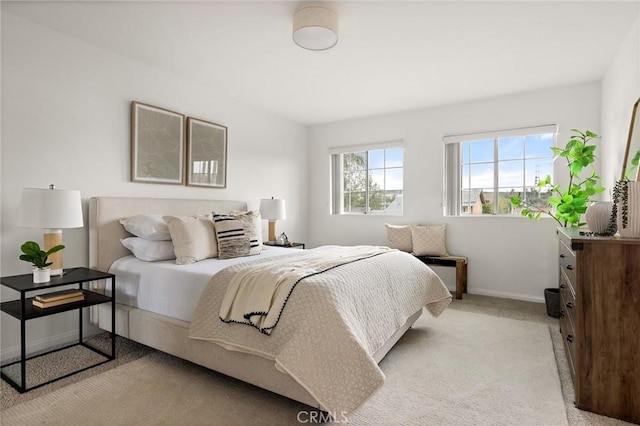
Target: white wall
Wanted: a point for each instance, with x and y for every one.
(65, 120)
(508, 257)
(620, 90)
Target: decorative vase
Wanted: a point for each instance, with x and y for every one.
(598, 216)
(632, 227)
(41, 275)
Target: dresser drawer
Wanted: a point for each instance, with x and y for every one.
(568, 337)
(568, 265)
(568, 304)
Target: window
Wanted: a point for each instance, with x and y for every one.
(367, 179)
(483, 171)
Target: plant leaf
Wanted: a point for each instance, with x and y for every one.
(554, 201)
(30, 248)
(575, 167)
(54, 249)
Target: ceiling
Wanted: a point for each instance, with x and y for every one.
(391, 56)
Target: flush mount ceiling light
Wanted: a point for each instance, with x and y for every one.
(315, 27)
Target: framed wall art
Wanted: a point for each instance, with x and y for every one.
(206, 154)
(157, 145)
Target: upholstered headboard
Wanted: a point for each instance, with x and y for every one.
(105, 230)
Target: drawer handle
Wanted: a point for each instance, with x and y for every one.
(569, 338)
(569, 305)
(561, 313)
(562, 256)
(570, 267)
(563, 287)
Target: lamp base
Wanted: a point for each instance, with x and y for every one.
(52, 238)
(272, 230)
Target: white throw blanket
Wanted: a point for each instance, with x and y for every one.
(333, 322)
(257, 294)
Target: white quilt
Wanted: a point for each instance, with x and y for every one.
(258, 293)
(332, 324)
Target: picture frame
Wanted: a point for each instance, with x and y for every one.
(157, 145)
(206, 153)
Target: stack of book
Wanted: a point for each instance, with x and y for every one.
(58, 298)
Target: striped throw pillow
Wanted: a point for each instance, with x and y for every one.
(235, 237)
(252, 223)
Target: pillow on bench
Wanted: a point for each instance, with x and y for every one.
(420, 240)
(429, 240)
(399, 237)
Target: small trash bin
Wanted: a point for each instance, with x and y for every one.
(552, 299)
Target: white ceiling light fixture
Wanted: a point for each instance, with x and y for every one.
(315, 27)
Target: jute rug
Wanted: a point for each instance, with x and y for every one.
(461, 369)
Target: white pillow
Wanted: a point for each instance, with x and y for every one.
(193, 238)
(429, 240)
(149, 226)
(149, 250)
(399, 237)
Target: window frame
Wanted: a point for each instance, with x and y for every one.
(452, 190)
(337, 176)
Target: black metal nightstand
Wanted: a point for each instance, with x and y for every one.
(290, 245)
(24, 310)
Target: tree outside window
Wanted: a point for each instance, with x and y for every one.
(372, 181)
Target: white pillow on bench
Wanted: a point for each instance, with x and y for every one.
(399, 237)
(429, 240)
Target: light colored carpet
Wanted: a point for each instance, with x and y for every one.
(461, 369)
(46, 367)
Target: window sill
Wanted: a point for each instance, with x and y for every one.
(368, 214)
(502, 216)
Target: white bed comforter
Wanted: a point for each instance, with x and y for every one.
(332, 324)
(258, 293)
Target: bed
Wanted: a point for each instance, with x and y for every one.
(147, 313)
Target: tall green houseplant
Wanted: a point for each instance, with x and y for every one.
(570, 203)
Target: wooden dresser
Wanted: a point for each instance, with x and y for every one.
(600, 321)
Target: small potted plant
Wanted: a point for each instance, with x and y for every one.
(38, 258)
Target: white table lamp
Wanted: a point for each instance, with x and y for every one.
(272, 210)
(51, 209)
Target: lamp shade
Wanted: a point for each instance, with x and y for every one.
(50, 208)
(272, 209)
(315, 28)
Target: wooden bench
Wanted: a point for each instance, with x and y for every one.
(459, 262)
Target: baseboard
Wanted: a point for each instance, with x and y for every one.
(39, 345)
(506, 295)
